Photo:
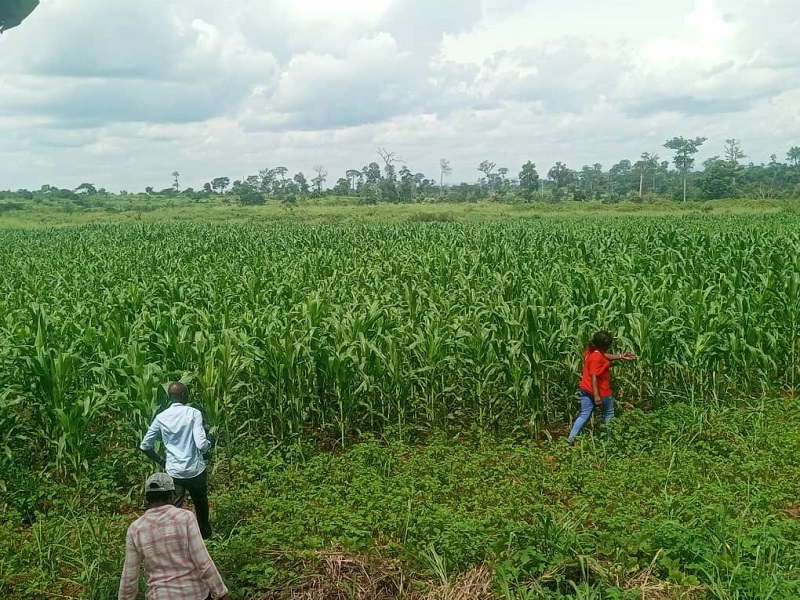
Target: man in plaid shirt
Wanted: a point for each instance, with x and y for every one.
(167, 539)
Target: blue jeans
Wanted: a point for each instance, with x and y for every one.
(587, 406)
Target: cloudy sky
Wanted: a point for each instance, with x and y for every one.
(121, 93)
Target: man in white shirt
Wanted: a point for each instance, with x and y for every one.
(181, 430)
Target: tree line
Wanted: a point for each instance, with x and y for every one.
(390, 179)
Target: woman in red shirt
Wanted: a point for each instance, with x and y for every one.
(595, 385)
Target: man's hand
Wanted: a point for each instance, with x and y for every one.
(598, 401)
(627, 356)
(155, 457)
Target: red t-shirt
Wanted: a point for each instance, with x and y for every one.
(595, 363)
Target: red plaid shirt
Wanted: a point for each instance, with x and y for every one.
(178, 565)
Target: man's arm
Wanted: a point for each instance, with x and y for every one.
(202, 561)
(148, 444)
(129, 582)
(155, 457)
(199, 432)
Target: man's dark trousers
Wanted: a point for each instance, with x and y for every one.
(197, 487)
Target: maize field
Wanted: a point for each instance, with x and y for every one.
(299, 332)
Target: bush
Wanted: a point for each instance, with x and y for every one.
(251, 198)
(9, 206)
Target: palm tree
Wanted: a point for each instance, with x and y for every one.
(793, 155)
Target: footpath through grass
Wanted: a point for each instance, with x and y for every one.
(683, 502)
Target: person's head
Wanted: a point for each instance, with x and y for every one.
(159, 489)
(178, 392)
(602, 341)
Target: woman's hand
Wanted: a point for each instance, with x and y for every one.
(623, 356)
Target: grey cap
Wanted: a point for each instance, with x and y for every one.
(159, 482)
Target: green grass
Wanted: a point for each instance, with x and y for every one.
(397, 395)
(700, 498)
(144, 209)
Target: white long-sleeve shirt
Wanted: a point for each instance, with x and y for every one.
(181, 429)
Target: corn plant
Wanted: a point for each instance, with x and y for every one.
(308, 332)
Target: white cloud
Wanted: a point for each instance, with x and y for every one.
(121, 94)
(324, 9)
(311, 79)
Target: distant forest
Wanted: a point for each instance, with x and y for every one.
(390, 179)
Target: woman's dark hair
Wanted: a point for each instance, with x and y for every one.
(601, 340)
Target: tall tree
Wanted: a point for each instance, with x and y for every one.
(501, 180)
(733, 154)
(647, 162)
(372, 180)
(280, 185)
(793, 155)
(389, 160)
(660, 173)
(267, 176)
(444, 169)
(301, 183)
(388, 185)
(717, 178)
(733, 151)
(561, 176)
(319, 178)
(86, 188)
(220, 183)
(622, 179)
(342, 187)
(424, 185)
(591, 179)
(352, 175)
(684, 155)
(487, 168)
(372, 173)
(407, 184)
(176, 183)
(528, 180)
